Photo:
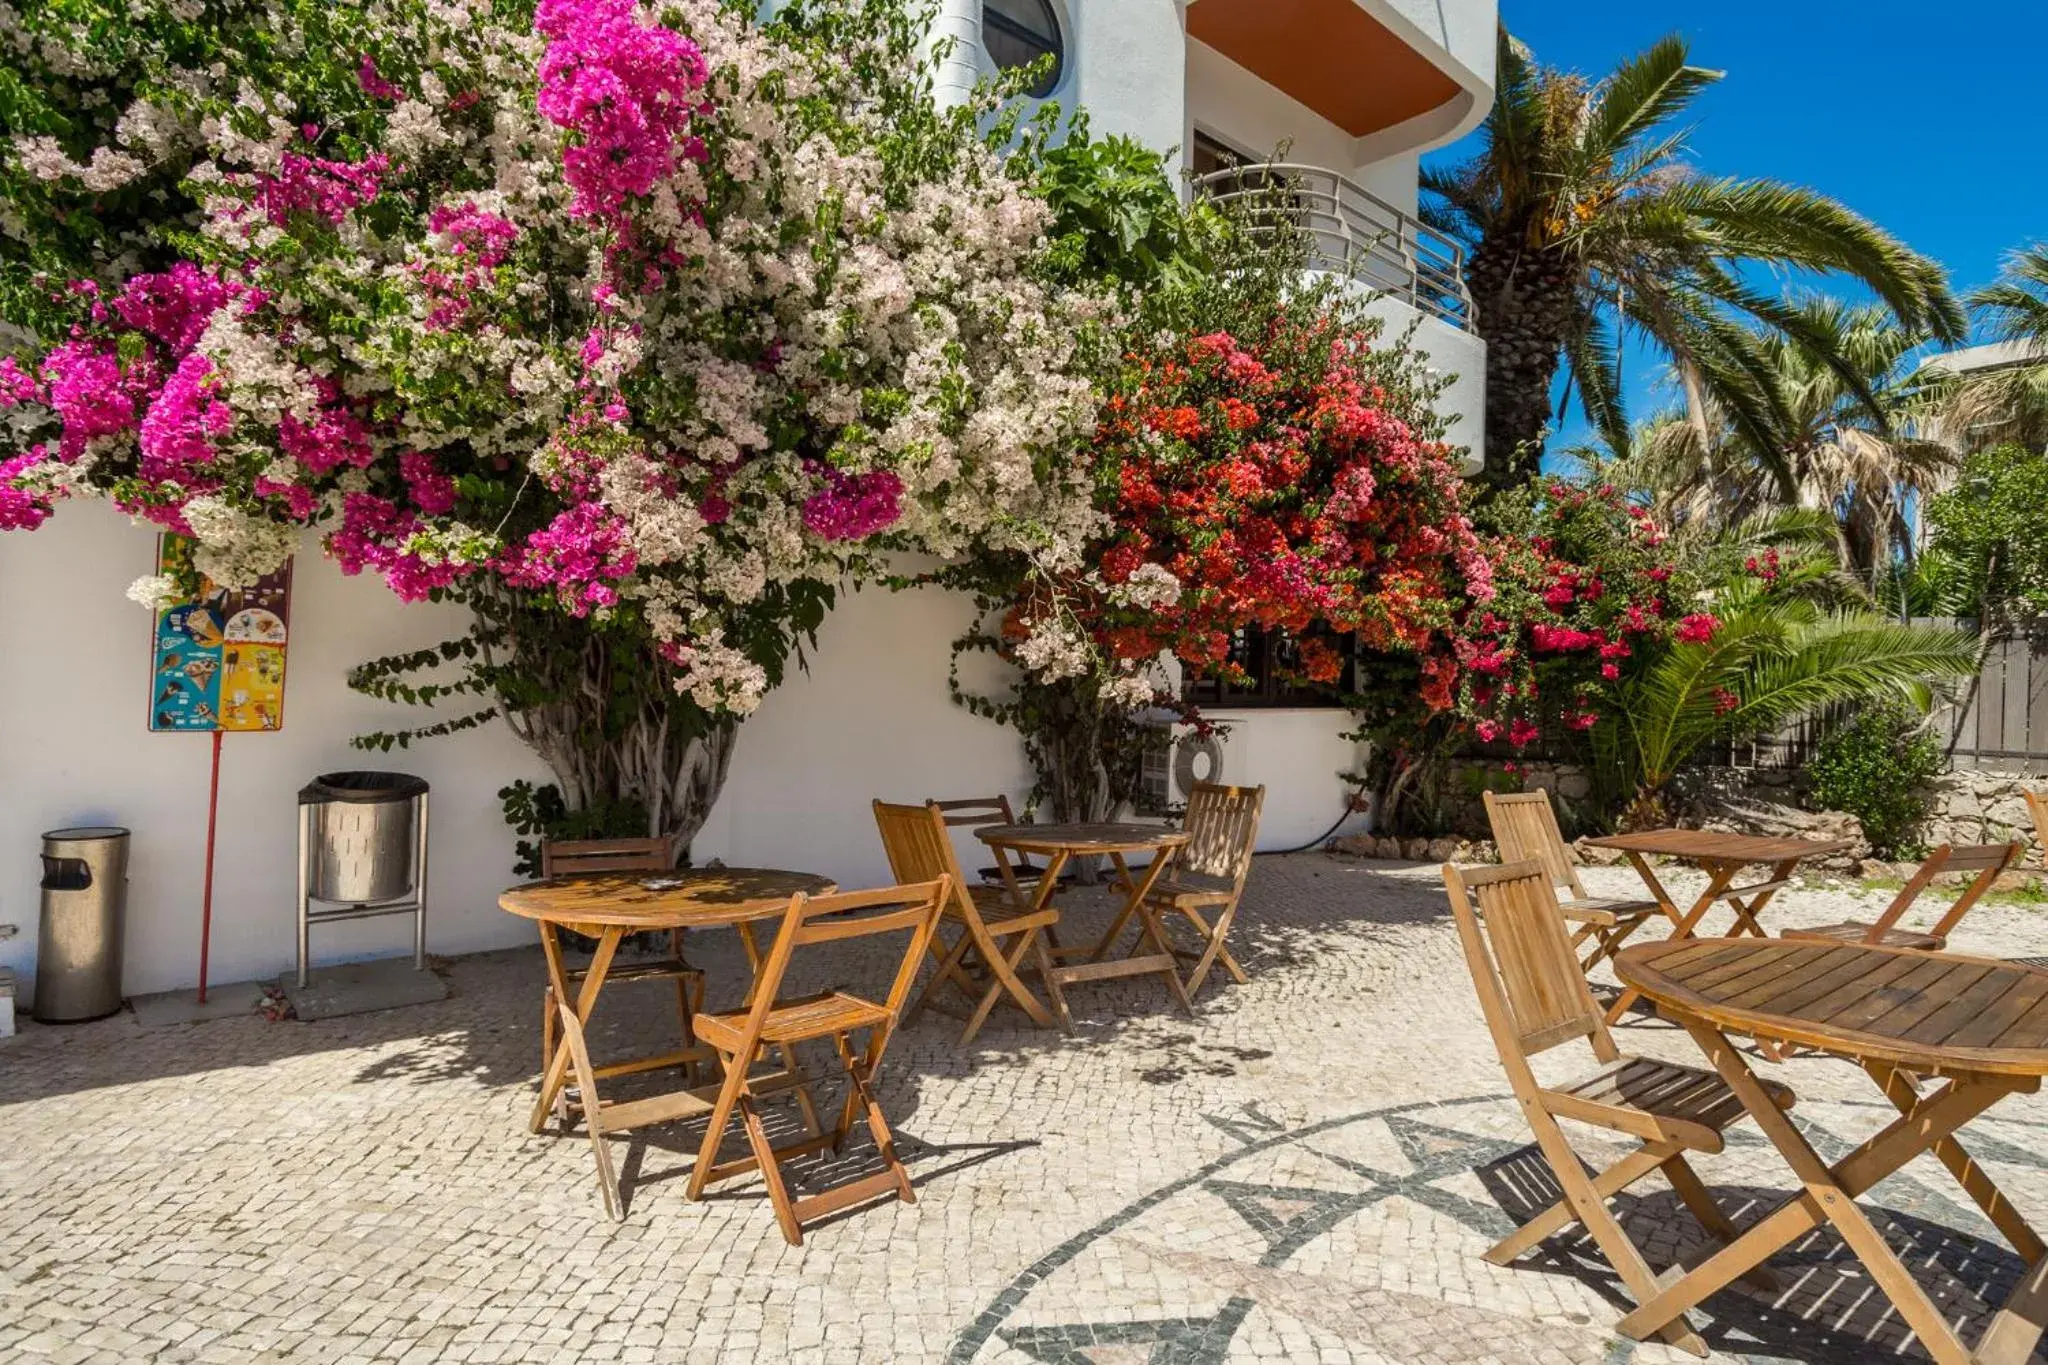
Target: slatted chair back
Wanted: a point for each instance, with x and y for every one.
(915, 841)
(851, 915)
(1525, 828)
(976, 812)
(564, 857)
(1988, 861)
(1222, 826)
(1530, 987)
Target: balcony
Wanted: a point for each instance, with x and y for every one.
(1395, 75)
(1353, 232)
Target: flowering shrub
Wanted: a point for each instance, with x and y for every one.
(1584, 587)
(653, 319)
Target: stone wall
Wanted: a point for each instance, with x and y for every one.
(1966, 807)
(1982, 808)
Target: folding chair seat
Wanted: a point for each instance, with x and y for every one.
(1525, 828)
(741, 1037)
(565, 857)
(1535, 998)
(1988, 861)
(994, 935)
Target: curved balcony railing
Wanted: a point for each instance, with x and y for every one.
(1352, 231)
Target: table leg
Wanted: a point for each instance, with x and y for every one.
(1150, 930)
(1718, 877)
(1829, 1196)
(1746, 914)
(556, 1075)
(1902, 1090)
(1055, 863)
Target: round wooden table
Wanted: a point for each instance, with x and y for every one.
(607, 906)
(1978, 1025)
(1152, 953)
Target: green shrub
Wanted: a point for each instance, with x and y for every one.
(1874, 767)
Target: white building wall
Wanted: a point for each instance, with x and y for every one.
(871, 718)
(75, 749)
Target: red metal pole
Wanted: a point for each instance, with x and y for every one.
(206, 904)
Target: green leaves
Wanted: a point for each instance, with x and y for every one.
(1773, 661)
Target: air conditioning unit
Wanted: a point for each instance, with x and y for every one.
(1172, 769)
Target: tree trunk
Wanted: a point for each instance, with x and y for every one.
(606, 721)
(1524, 303)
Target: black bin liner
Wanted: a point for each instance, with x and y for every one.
(362, 788)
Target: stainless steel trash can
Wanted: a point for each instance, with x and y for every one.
(363, 852)
(85, 908)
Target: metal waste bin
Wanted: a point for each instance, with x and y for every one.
(85, 906)
(362, 851)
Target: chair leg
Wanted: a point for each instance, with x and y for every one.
(721, 1117)
(771, 1173)
(1003, 966)
(1590, 1207)
(859, 1074)
(804, 1099)
(949, 972)
(1213, 950)
(1694, 1192)
(586, 1081)
(1559, 1216)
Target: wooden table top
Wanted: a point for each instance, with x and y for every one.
(687, 898)
(1934, 1013)
(1100, 838)
(1708, 846)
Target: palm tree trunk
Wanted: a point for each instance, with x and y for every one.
(1524, 305)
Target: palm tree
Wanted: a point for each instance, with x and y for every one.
(1584, 221)
(1774, 660)
(2008, 404)
(1841, 430)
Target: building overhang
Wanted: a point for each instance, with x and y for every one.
(1361, 64)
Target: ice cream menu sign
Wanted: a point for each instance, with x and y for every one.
(218, 663)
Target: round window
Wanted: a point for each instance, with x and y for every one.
(1017, 33)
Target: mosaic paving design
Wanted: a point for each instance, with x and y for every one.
(1443, 1160)
(1305, 1171)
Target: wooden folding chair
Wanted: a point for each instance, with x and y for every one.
(981, 812)
(1535, 998)
(1222, 825)
(2037, 806)
(1525, 829)
(564, 857)
(1988, 861)
(743, 1036)
(996, 932)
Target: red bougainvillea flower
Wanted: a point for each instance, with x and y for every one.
(1697, 629)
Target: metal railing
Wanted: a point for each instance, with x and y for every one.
(1351, 231)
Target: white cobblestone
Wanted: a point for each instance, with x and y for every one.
(1305, 1171)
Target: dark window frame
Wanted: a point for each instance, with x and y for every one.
(1262, 654)
(1053, 44)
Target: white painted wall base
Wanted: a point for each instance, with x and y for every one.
(871, 718)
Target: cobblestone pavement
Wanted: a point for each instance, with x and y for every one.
(1305, 1171)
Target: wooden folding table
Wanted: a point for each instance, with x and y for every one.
(1978, 1027)
(607, 906)
(1721, 856)
(1152, 954)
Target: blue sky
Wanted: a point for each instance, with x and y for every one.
(1926, 118)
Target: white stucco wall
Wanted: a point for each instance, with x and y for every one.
(75, 749)
(871, 718)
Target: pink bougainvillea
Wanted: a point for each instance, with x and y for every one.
(625, 89)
